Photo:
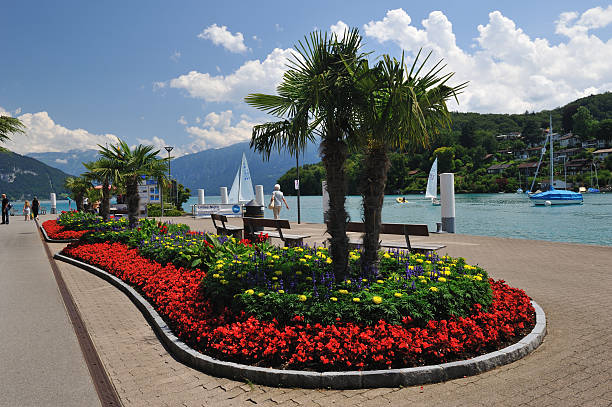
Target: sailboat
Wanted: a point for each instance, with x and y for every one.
(432, 184)
(242, 188)
(553, 196)
(593, 190)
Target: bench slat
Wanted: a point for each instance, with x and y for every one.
(392, 228)
(267, 223)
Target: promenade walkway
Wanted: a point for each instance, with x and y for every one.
(41, 363)
(573, 367)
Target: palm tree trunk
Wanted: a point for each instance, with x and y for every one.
(78, 200)
(133, 201)
(334, 153)
(376, 167)
(105, 206)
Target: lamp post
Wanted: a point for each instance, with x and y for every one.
(168, 149)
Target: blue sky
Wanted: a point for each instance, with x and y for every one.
(79, 73)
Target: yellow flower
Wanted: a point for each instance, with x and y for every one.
(387, 256)
(379, 281)
(278, 272)
(328, 260)
(302, 297)
(478, 278)
(442, 280)
(333, 298)
(274, 278)
(419, 260)
(364, 280)
(216, 275)
(249, 292)
(376, 299)
(260, 294)
(348, 281)
(398, 295)
(308, 256)
(281, 291)
(356, 299)
(303, 260)
(298, 273)
(276, 257)
(284, 248)
(343, 291)
(434, 289)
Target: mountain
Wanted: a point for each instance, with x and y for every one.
(215, 168)
(70, 161)
(24, 177)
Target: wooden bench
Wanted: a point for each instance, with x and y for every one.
(251, 224)
(401, 229)
(225, 228)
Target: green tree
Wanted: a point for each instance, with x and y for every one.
(531, 132)
(78, 187)
(132, 166)
(583, 123)
(468, 134)
(604, 130)
(315, 99)
(397, 109)
(8, 126)
(105, 171)
(445, 156)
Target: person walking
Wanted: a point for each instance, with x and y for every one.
(26, 210)
(6, 206)
(35, 207)
(277, 201)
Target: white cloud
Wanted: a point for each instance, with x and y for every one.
(508, 71)
(217, 131)
(252, 76)
(176, 56)
(61, 161)
(221, 36)
(43, 134)
(339, 28)
(182, 120)
(17, 111)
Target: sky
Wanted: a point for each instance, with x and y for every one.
(79, 74)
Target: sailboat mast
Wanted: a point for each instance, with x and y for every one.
(551, 153)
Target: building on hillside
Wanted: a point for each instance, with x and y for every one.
(566, 154)
(521, 154)
(510, 136)
(534, 151)
(576, 167)
(528, 169)
(602, 154)
(557, 184)
(497, 168)
(569, 140)
(594, 143)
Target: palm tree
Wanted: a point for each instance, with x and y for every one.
(398, 109)
(315, 100)
(78, 186)
(105, 171)
(132, 165)
(10, 125)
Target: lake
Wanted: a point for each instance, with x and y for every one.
(502, 215)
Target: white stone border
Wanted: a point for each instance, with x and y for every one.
(335, 380)
(48, 239)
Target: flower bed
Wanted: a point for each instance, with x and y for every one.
(58, 232)
(234, 335)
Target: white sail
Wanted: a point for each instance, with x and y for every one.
(432, 181)
(242, 188)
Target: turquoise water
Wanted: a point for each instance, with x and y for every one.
(502, 215)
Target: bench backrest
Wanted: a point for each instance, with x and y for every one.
(220, 218)
(391, 229)
(267, 223)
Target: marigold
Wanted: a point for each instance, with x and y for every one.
(398, 295)
(302, 297)
(434, 289)
(343, 291)
(376, 299)
(249, 292)
(356, 299)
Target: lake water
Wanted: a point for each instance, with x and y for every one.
(502, 215)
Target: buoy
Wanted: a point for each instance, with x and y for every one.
(547, 203)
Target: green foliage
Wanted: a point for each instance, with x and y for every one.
(311, 176)
(8, 126)
(272, 282)
(445, 156)
(584, 123)
(154, 210)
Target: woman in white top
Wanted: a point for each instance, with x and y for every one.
(277, 200)
(26, 210)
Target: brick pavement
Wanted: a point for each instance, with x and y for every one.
(572, 283)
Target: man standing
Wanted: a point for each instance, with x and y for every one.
(5, 209)
(35, 207)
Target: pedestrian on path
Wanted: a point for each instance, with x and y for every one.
(35, 207)
(26, 210)
(6, 207)
(277, 201)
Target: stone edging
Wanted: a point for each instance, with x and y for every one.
(335, 380)
(48, 239)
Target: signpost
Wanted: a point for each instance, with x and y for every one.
(205, 210)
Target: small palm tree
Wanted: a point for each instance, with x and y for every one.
(105, 171)
(398, 109)
(315, 101)
(8, 126)
(78, 186)
(132, 166)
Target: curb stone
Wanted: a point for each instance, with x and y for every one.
(48, 239)
(336, 380)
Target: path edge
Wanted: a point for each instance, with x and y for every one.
(335, 380)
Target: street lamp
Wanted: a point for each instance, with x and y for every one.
(168, 149)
